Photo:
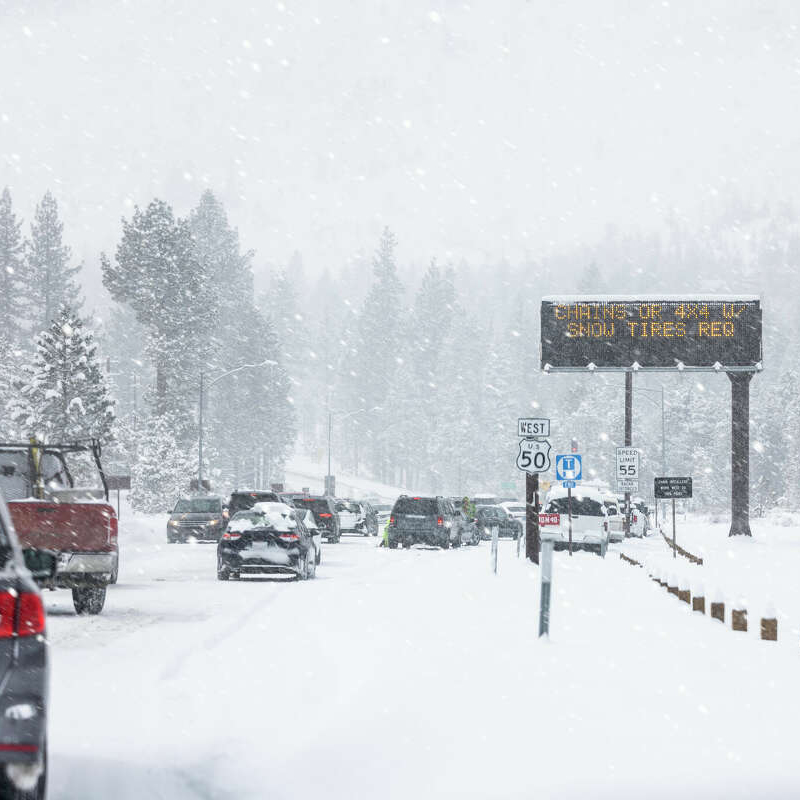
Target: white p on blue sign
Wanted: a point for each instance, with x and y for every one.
(569, 467)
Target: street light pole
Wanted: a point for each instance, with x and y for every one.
(266, 362)
(200, 438)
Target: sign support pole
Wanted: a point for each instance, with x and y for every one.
(532, 538)
(740, 453)
(674, 548)
(547, 579)
(628, 442)
(569, 511)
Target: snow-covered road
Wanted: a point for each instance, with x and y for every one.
(402, 674)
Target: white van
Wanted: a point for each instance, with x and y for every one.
(590, 528)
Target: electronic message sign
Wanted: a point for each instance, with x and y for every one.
(651, 332)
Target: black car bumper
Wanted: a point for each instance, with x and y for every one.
(277, 560)
(409, 537)
(23, 704)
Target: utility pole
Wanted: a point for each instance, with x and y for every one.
(200, 438)
(628, 441)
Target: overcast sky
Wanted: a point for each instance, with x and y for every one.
(479, 130)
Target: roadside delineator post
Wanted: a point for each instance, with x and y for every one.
(699, 599)
(769, 624)
(495, 535)
(718, 609)
(739, 617)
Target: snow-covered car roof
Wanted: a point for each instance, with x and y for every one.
(279, 516)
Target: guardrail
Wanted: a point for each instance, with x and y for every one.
(769, 624)
(685, 553)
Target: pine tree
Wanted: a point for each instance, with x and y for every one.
(159, 275)
(379, 340)
(12, 288)
(49, 280)
(63, 395)
(161, 469)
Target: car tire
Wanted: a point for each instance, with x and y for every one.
(115, 573)
(445, 544)
(392, 545)
(457, 542)
(89, 599)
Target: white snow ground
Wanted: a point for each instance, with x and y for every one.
(415, 674)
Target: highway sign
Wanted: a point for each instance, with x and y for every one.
(569, 467)
(673, 488)
(534, 455)
(652, 332)
(533, 427)
(627, 463)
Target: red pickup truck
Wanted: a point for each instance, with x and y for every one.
(68, 534)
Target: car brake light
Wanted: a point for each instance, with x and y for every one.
(391, 520)
(288, 537)
(439, 521)
(231, 535)
(31, 614)
(635, 519)
(30, 619)
(326, 516)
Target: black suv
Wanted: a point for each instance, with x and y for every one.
(26, 673)
(323, 509)
(424, 520)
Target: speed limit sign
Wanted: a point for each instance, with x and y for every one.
(533, 456)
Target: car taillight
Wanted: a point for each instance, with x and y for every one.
(231, 535)
(288, 537)
(30, 618)
(391, 520)
(113, 528)
(326, 516)
(635, 519)
(439, 521)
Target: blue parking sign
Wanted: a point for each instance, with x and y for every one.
(569, 467)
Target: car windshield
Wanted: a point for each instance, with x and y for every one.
(581, 506)
(241, 501)
(416, 505)
(276, 516)
(198, 505)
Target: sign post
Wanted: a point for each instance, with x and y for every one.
(495, 536)
(547, 579)
(673, 489)
(627, 469)
(533, 458)
(118, 482)
(569, 470)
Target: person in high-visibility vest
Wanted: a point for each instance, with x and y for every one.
(385, 539)
(468, 507)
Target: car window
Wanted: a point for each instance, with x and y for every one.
(581, 506)
(318, 504)
(416, 505)
(199, 505)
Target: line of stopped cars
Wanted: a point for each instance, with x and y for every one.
(267, 532)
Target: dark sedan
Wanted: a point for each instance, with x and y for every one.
(270, 538)
(488, 517)
(25, 672)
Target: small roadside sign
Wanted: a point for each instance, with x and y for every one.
(569, 484)
(627, 464)
(673, 488)
(569, 467)
(627, 485)
(549, 519)
(533, 456)
(533, 427)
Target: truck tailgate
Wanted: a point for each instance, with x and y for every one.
(65, 527)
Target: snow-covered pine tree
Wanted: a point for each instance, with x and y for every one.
(162, 468)
(50, 281)
(62, 395)
(12, 309)
(158, 274)
(379, 340)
